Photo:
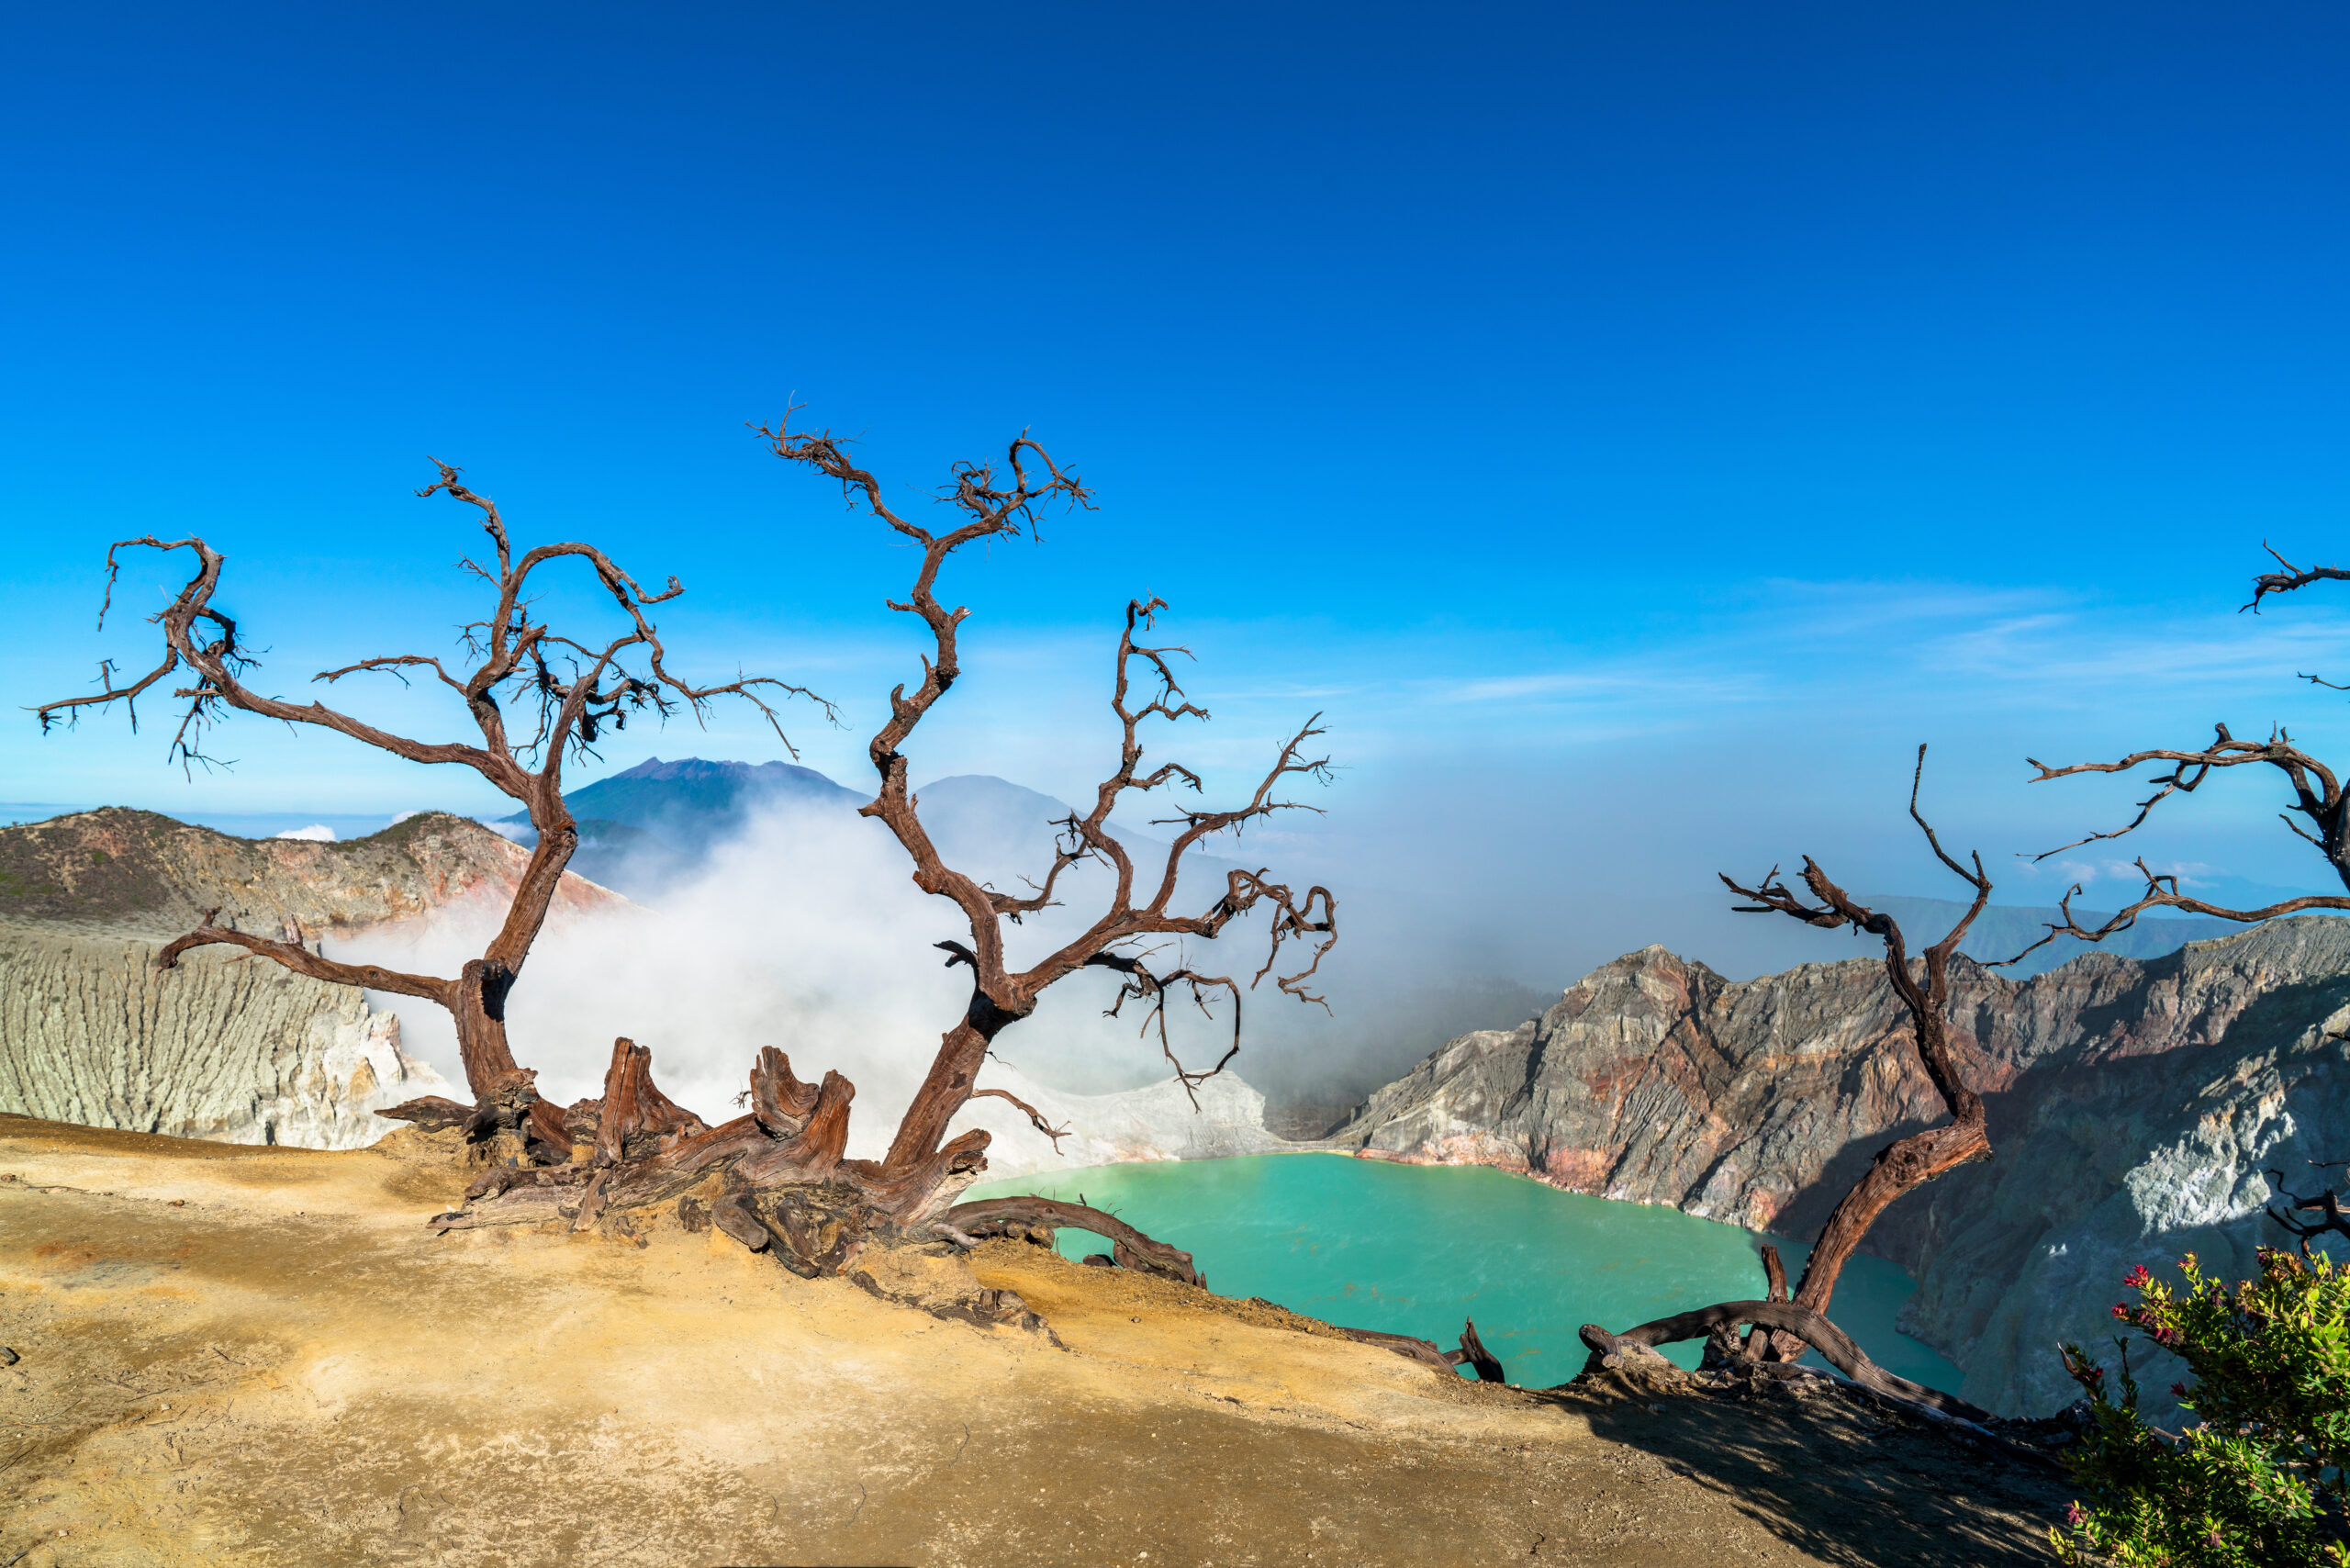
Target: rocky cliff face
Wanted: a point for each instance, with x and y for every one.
(221, 1047)
(218, 1047)
(2133, 1104)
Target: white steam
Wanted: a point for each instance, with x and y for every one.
(805, 933)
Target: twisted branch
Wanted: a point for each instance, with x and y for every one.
(983, 505)
(2327, 1203)
(1924, 991)
(2319, 798)
(1036, 1117)
(596, 689)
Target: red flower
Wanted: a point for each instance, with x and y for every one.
(2137, 1278)
(2178, 1390)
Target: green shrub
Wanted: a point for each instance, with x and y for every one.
(2257, 1482)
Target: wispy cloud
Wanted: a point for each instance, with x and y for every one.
(1616, 686)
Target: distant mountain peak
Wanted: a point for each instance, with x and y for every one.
(694, 770)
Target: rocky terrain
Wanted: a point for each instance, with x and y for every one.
(2134, 1106)
(139, 871)
(241, 1358)
(221, 1047)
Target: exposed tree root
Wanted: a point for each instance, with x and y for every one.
(433, 1112)
(1473, 1350)
(1484, 1362)
(1130, 1247)
(1833, 1344)
(1868, 1381)
(782, 1188)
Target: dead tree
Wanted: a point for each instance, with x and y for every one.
(572, 690)
(1923, 986)
(777, 1178)
(1000, 996)
(986, 504)
(2320, 802)
(1924, 991)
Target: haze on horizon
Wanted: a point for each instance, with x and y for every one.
(1635, 431)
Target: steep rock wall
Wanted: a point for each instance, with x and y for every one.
(2133, 1105)
(2106, 1165)
(218, 1047)
(222, 1045)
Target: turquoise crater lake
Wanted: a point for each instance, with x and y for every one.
(1416, 1248)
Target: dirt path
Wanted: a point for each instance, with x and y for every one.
(252, 1356)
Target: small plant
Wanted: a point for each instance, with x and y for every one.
(2257, 1482)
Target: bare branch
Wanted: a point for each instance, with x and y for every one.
(2316, 793)
(295, 956)
(394, 665)
(2292, 577)
(2318, 798)
(2162, 893)
(1036, 1117)
(2327, 1203)
(1141, 984)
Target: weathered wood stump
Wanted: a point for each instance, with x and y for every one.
(773, 1180)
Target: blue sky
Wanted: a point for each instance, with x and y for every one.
(1636, 426)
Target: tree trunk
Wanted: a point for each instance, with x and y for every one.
(478, 1007)
(503, 1090)
(946, 1088)
(1909, 1163)
(1912, 1162)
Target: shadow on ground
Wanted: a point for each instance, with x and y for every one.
(1838, 1482)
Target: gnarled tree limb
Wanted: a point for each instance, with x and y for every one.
(1132, 1249)
(1833, 1344)
(2319, 800)
(1924, 991)
(2326, 1204)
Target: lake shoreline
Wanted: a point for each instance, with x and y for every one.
(1523, 1267)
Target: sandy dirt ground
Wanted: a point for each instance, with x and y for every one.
(230, 1355)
